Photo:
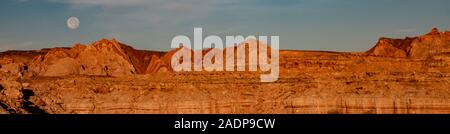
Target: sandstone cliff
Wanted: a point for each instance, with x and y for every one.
(409, 75)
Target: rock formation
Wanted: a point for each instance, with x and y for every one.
(409, 75)
(431, 44)
(102, 58)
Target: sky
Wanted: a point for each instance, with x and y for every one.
(329, 25)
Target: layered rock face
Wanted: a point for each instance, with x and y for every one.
(409, 75)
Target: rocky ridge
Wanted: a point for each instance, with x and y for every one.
(421, 47)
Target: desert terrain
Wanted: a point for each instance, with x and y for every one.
(396, 76)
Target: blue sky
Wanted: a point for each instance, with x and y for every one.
(334, 25)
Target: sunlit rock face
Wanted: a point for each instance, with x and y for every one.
(410, 75)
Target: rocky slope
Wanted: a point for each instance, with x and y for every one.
(409, 75)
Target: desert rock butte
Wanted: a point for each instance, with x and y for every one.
(410, 75)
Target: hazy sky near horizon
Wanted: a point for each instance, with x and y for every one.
(333, 25)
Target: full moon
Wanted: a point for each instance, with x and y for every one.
(73, 23)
